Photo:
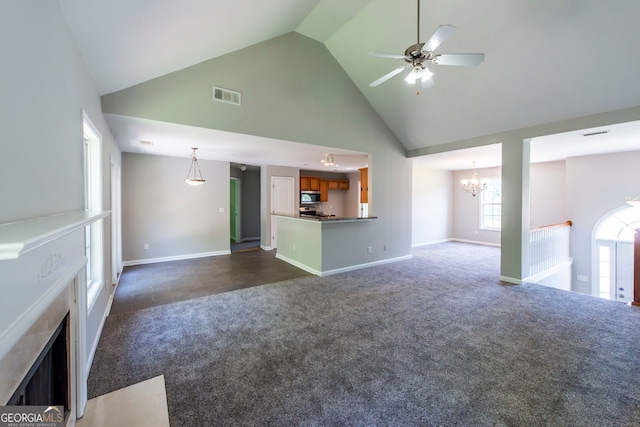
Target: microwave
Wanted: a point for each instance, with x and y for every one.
(307, 197)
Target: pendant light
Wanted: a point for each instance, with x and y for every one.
(194, 176)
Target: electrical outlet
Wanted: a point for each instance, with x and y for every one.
(384, 247)
(221, 210)
(146, 246)
(294, 247)
(582, 278)
(369, 250)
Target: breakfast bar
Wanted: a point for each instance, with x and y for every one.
(324, 245)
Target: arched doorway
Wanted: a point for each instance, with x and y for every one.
(613, 241)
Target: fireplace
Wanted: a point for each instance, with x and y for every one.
(43, 312)
(47, 381)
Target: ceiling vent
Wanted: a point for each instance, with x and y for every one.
(226, 95)
(600, 132)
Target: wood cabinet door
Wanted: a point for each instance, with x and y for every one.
(314, 183)
(364, 185)
(324, 191)
(343, 185)
(304, 183)
(333, 185)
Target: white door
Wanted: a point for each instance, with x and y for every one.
(624, 272)
(282, 202)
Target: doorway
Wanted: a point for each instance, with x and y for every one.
(235, 210)
(244, 208)
(613, 244)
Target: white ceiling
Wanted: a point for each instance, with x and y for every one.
(546, 61)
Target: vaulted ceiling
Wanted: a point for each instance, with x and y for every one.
(546, 61)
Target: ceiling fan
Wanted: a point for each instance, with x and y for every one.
(418, 55)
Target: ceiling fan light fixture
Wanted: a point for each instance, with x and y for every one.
(414, 75)
(418, 73)
(328, 160)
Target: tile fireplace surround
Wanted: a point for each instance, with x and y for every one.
(42, 278)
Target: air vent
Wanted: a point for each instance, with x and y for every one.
(600, 132)
(226, 95)
(148, 143)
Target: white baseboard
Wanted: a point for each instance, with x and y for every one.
(299, 265)
(511, 280)
(433, 242)
(175, 258)
(475, 242)
(368, 264)
(343, 269)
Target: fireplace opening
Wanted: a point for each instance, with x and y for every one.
(47, 382)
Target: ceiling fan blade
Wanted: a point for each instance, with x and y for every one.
(387, 76)
(386, 55)
(427, 83)
(464, 59)
(441, 33)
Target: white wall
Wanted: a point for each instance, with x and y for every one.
(596, 185)
(352, 198)
(174, 218)
(547, 194)
(432, 205)
(45, 88)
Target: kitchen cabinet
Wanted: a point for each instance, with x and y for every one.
(304, 183)
(324, 191)
(338, 185)
(364, 185)
(314, 183)
(309, 183)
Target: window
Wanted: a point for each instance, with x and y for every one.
(491, 205)
(614, 238)
(93, 201)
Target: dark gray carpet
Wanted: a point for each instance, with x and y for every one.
(434, 340)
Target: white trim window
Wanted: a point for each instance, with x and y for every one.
(94, 249)
(491, 205)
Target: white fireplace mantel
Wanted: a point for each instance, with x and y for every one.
(18, 238)
(42, 263)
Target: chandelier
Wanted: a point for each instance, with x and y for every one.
(473, 186)
(194, 176)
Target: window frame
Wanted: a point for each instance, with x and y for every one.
(481, 203)
(94, 245)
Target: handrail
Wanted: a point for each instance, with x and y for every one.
(562, 224)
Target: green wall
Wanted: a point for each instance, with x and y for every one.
(292, 89)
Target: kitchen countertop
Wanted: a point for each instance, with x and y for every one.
(327, 218)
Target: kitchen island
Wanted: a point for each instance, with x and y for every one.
(324, 245)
